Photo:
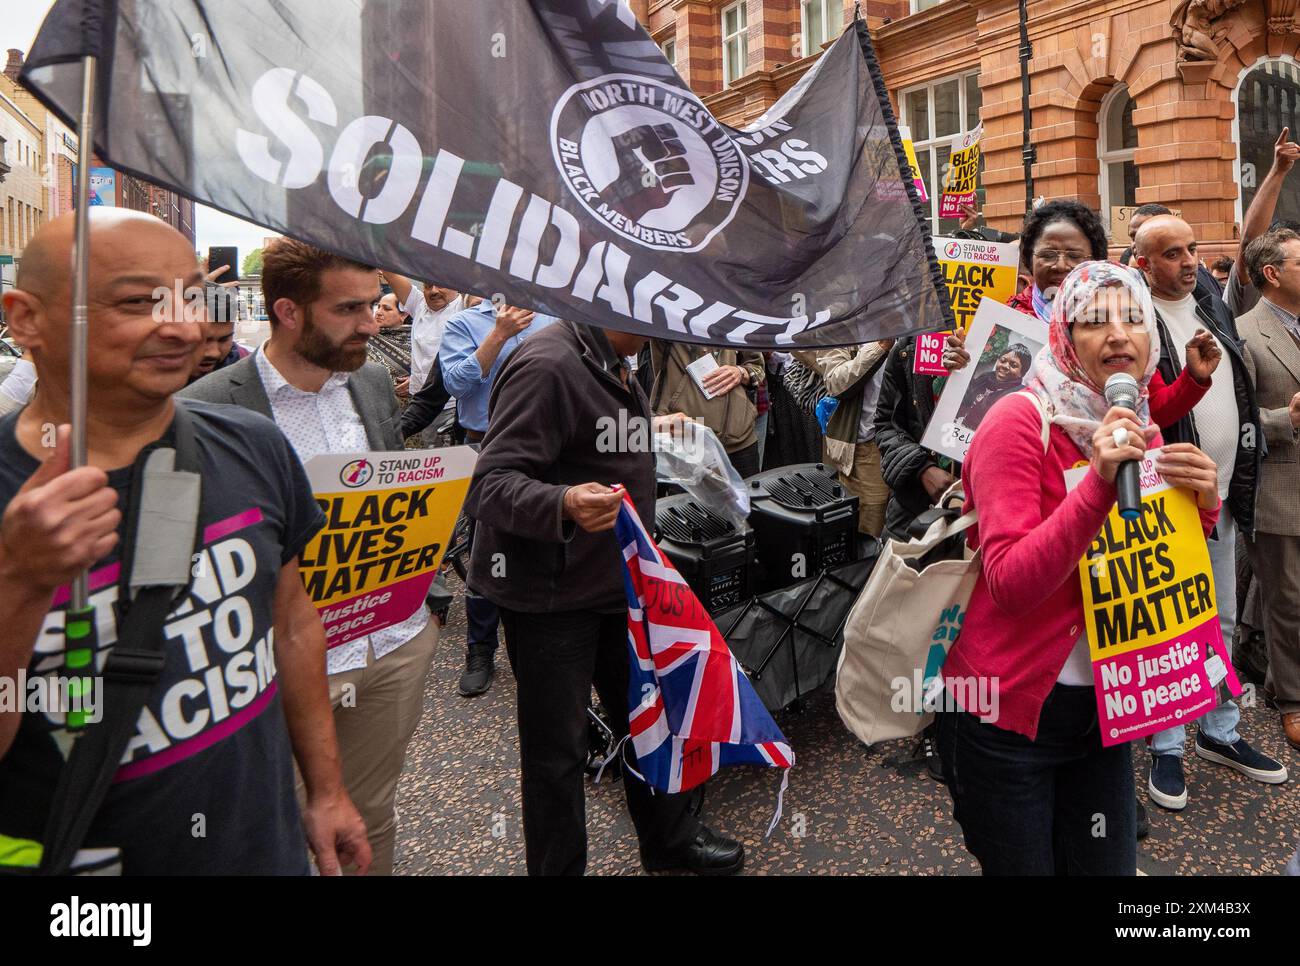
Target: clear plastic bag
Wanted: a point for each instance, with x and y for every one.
(692, 457)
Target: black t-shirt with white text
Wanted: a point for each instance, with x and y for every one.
(206, 785)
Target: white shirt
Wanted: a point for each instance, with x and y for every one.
(1077, 670)
(1217, 419)
(426, 333)
(328, 422)
(17, 388)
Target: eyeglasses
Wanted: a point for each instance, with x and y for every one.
(1050, 256)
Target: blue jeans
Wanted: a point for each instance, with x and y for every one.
(1220, 724)
(1058, 805)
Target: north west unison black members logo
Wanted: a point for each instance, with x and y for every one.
(648, 159)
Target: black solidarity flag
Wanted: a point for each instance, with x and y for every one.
(542, 150)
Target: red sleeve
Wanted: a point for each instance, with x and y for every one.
(1169, 403)
(1209, 518)
(1026, 557)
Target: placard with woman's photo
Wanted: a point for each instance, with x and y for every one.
(1002, 343)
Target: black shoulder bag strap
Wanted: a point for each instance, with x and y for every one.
(164, 496)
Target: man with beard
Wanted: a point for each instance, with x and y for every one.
(311, 376)
(1226, 425)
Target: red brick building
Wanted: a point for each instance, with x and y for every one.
(1132, 101)
(53, 156)
(141, 195)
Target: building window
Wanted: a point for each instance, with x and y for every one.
(735, 43)
(1117, 180)
(1268, 99)
(669, 47)
(939, 114)
(919, 5)
(818, 18)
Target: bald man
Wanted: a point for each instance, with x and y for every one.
(206, 785)
(1225, 424)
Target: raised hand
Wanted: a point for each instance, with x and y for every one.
(1285, 152)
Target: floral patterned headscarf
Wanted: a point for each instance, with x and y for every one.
(1072, 399)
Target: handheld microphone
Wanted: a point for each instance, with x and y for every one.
(1122, 390)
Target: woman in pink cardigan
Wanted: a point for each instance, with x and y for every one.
(1033, 789)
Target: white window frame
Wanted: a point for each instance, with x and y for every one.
(1236, 124)
(741, 35)
(1107, 155)
(827, 6)
(927, 144)
(669, 49)
(917, 6)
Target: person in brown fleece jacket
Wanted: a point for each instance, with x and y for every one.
(565, 422)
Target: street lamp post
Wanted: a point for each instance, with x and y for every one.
(1027, 152)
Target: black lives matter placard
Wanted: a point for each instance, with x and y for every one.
(1150, 613)
(388, 517)
(973, 270)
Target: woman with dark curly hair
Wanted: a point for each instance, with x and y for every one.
(1057, 236)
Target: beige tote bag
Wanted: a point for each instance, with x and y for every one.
(901, 626)
(899, 631)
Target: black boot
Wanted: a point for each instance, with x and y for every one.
(479, 667)
(933, 764)
(707, 854)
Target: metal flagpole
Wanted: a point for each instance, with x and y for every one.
(77, 610)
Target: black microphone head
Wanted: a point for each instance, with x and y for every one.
(1122, 390)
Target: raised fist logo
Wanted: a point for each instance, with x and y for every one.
(652, 164)
(629, 155)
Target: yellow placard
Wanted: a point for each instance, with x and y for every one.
(1147, 580)
(961, 175)
(373, 539)
(1150, 614)
(388, 518)
(910, 151)
(975, 270)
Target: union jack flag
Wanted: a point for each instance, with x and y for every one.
(693, 710)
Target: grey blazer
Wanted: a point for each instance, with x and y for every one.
(371, 388)
(1273, 361)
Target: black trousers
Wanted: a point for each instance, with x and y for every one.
(745, 461)
(481, 617)
(556, 659)
(1059, 805)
